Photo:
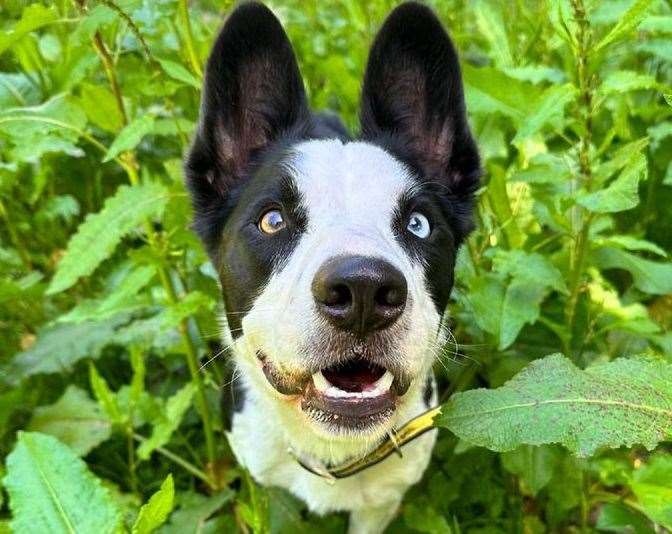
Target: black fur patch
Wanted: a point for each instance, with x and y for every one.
(428, 393)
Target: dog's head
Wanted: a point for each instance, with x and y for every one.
(335, 256)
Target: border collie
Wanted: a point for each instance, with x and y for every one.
(335, 254)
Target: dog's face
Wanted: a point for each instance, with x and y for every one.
(335, 256)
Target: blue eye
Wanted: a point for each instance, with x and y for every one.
(419, 225)
(271, 222)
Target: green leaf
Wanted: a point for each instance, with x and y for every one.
(627, 23)
(615, 404)
(626, 155)
(74, 419)
(130, 136)
(615, 517)
(626, 80)
(648, 276)
(179, 73)
(154, 513)
(100, 107)
(51, 490)
(533, 465)
(668, 98)
(628, 242)
(33, 17)
(489, 90)
(622, 194)
(123, 297)
(549, 108)
(424, 518)
(522, 301)
(106, 398)
(652, 484)
(491, 25)
(58, 348)
(100, 233)
(176, 407)
(194, 510)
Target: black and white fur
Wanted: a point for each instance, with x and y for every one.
(258, 145)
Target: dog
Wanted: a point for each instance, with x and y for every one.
(335, 254)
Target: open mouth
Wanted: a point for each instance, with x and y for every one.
(355, 394)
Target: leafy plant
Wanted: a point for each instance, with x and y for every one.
(111, 363)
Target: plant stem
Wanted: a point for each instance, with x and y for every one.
(179, 461)
(585, 110)
(14, 238)
(183, 11)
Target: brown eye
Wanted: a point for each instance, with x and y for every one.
(271, 222)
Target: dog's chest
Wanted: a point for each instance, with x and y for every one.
(263, 450)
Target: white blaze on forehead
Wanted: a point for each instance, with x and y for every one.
(353, 185)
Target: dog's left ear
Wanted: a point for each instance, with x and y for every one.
(413, 93)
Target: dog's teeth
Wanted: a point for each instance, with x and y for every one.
(321, 383)
(383, 383)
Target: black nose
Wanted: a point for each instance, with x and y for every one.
(359, 294)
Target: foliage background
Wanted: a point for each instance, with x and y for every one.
(105, 320)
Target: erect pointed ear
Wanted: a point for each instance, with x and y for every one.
(413, 93)
(252, 94)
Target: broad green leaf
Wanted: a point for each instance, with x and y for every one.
(533, 465)
(75, 419)
(130, 136)
(100, 107)
(621, 194)
(626, 80)
(648, 276)
(521, 306)
(51, 490)
(621, 403)
(489, 90)
(106, 398)
(633, 243)
(533, 267)
(424, 518)
(176, 407)
(658, 132)
(53, 126)
(549, 108)
(194, 509)
(154, 513)
(618, 518)
(626, 155)
(34, 16)
(627, 23)
(123, 297)
(58, 348)
(486, 298)
(652, 484)
(100, 233)
(178, 72)
(657, 23)
(668, 98)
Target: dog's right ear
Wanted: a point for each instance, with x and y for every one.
(252, 94)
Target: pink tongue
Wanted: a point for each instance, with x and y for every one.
(354, 375)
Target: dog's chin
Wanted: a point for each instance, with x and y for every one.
(352, 398)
